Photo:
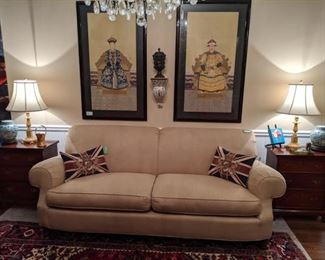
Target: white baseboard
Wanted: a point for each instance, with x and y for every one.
(286, 133)
(49, 128)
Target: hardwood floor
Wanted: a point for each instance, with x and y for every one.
(311, 234)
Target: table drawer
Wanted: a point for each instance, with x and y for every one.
(19, 157)
(14, 173)
(18, 193)
(301, 199)
(301, 164)
(305, 180)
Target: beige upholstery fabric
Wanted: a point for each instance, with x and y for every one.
(47, 174)
(202, 195)
(191, 150)
(130, 148)
(120, 191)
(158, 224)
(120, 202)
(265, 182)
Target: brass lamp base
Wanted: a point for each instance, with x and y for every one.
(294, 144)
(29, 139)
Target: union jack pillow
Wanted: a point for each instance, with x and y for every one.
(86, 163)
(230, 166)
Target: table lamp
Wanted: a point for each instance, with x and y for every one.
(26, 98)
(299, 101)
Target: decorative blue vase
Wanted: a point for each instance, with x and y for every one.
(317, 137)
(8, 132)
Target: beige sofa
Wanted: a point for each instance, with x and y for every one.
(158, 185)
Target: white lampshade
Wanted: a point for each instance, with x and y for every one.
(26, 97)
(299, 101)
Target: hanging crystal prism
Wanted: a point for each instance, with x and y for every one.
(141, 21)
(122, 7)
(87, 2)
(96, 7)
(140, 8)
(112, 17)
(103, 5)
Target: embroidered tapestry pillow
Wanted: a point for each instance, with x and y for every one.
(231, 166)
(86, 163)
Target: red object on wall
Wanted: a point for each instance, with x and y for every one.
(4, 97)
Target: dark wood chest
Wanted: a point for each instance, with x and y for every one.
(15, 162)
(305, 177)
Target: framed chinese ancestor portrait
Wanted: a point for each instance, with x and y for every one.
(211, 46)
(112, 66)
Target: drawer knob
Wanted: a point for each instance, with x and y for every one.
(316, 182)
(6, 158)
(9, 188)
(30, 158)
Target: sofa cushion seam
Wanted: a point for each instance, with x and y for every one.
(99, 208)
(198, 214)
(203, 199)
(99, 194)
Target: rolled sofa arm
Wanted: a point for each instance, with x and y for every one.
(47, 174)
(265, 182)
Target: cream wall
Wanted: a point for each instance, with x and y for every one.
(286, 44)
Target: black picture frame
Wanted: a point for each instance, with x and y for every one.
(85, 78)
(243, 8)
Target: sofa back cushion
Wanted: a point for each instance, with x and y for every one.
(191, 150)
(130, 148)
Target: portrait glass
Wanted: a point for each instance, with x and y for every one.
(112, 58)
(112, 66)
(211, 49)
(210, 59)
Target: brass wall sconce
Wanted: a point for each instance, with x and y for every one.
(159, 82)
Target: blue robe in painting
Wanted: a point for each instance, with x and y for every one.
(114, 74)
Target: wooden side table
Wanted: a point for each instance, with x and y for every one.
(305, 177)
(15, 162)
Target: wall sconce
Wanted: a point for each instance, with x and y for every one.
(159, 82)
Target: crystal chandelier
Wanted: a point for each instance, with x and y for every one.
(141, 8)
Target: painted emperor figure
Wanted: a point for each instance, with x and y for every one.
(113, 68)
(211, 70)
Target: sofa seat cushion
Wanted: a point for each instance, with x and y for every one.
(202, 195)
(119, 191)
